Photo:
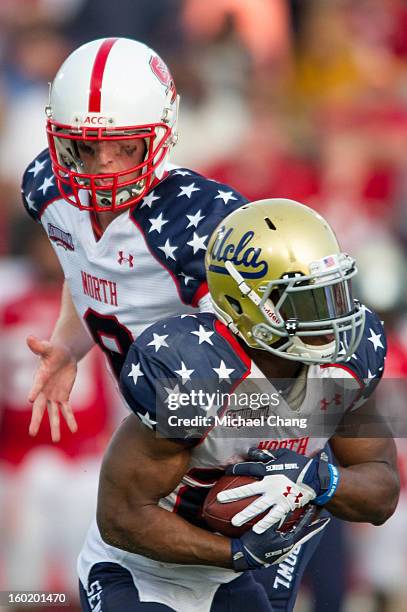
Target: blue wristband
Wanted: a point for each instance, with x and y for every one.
(334, 475)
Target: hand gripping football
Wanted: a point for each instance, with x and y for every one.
(218, 515)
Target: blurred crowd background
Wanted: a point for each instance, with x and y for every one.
(305, 99)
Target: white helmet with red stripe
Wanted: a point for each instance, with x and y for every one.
(112, 89)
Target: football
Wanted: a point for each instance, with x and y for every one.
(218, 515)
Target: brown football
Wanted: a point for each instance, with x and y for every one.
(218, 515)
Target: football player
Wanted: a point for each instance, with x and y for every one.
(130, 230)
(288, 329)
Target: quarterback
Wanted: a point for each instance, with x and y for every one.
(129, 229)
(286, 322)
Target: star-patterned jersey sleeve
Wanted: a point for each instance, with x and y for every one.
(177, 219)
(38, 187)
(176, 372)
(366, 365)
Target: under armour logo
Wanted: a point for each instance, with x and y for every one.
(297, 498)
(337, 400)
(291, 326)
(324, 403)
(288, 491)
(121, 258)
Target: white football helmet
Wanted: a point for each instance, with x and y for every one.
(112, 89)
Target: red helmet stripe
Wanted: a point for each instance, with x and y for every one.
(95, 93)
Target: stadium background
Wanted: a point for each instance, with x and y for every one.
(304, 99)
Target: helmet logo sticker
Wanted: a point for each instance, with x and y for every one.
(240, 254)
(95, 119)
(162, 73)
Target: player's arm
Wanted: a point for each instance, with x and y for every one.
(369, 485)
(69, 330)
(69, 333)
(139, 469)
(56, 373)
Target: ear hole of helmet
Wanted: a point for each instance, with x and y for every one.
(235, 304)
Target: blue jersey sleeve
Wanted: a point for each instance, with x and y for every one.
(217, 201)
(139, 382)
(177, 219)
(368, 361)
(175, 373)
(38, 186)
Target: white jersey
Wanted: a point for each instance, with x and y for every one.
(149, 262)
(239, 408)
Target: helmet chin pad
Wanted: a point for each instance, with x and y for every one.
(104, 198)
(312, 352)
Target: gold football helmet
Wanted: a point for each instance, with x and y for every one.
(277, 277)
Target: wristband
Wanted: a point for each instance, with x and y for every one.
(334, 478)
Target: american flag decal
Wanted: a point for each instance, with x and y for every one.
(329, 261)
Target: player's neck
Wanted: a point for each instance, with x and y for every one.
(271, 365)
(104, 219)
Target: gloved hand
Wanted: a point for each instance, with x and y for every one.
(253, 551)
(287, 481)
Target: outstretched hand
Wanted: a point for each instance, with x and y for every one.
(52, 386)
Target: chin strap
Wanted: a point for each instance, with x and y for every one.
(299, 348)
(104, 198)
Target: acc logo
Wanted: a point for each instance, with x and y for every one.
(163, 75)
(93, 120)
(240, 254)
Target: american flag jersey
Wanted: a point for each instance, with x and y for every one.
(149, 262)
(198, 352)
(174, 354)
